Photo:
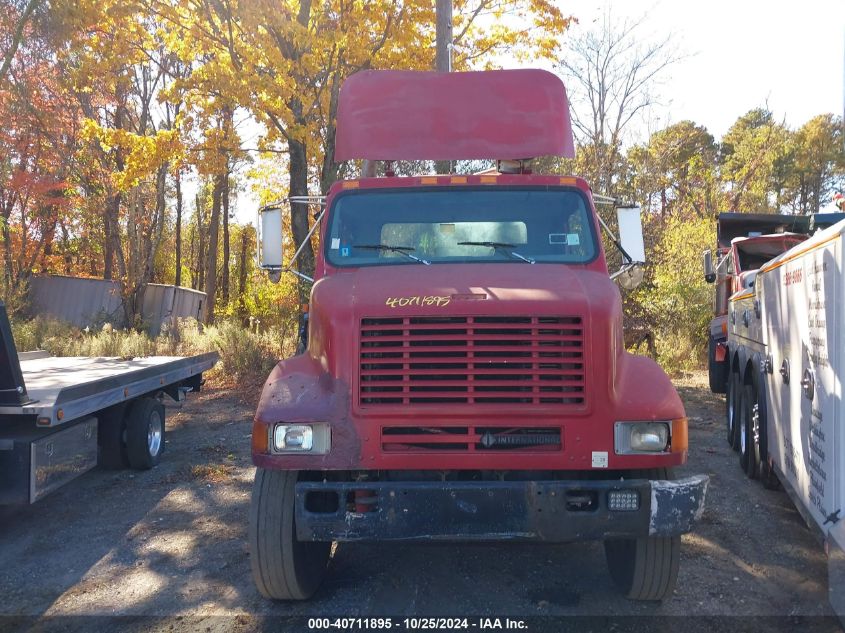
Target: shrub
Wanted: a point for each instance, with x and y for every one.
(244, 354)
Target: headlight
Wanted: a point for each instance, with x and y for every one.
(641, 437)
(301, 438)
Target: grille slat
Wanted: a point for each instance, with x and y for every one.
(472, 360)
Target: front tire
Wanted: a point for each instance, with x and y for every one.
(283, 567)
(645, 568)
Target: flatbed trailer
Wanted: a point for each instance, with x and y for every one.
(62, 416)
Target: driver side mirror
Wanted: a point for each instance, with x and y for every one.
(270, 241)
(709, 271)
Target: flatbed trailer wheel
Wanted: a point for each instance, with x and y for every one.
(645, 568)
(145, 433)
(283, 567)
(732, 408)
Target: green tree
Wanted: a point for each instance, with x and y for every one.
(817, 169)
(751, 152)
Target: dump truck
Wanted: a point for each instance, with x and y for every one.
(62, 416)
(464, 377)
(744, 241)
(786, 351)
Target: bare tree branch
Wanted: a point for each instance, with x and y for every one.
(610, 81)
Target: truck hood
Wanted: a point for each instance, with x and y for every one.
(467, 289)
(342, 302)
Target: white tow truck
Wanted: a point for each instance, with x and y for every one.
(786, 355)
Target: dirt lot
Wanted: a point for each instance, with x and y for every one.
(172, 542)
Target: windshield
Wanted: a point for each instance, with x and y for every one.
(516, 225)
(754, 253)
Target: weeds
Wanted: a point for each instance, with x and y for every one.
(244, 355)
(213, 473)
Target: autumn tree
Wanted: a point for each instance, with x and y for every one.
(286, 62)
(37, 143)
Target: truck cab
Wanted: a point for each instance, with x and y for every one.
(465, 376)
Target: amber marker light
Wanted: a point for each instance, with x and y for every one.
(260, 438)
(351, 184)
(680, 436)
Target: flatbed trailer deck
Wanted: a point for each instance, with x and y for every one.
(65, 388)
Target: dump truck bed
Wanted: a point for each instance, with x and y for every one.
(62, 389)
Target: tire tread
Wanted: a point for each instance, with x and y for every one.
(137, 450)
(656, 559)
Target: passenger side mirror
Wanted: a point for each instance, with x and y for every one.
(709, 271)
(631, 233)
(632, 245)
(270, 241)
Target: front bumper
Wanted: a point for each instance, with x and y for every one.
(552, 511)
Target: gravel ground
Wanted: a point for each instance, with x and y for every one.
(171, 543)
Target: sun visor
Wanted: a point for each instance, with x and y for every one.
(413, 115)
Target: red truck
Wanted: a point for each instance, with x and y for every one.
(464, 376)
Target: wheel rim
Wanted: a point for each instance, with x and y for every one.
(154, 434)
(743, 424)
(755, 429)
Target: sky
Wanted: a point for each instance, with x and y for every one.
(735, 55)
(738, 55)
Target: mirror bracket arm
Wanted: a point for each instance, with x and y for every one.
(625, 268)
(300, 275)
(302, 246)
(628, 260)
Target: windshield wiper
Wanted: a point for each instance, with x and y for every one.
(500, 246)
(402, 250)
